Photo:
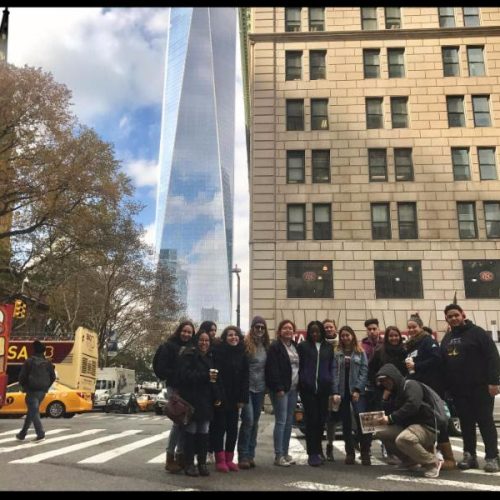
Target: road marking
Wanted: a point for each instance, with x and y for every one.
(441, 482)
(24, 446)
(15, 431)
(75, 447)
(304, 485)
(296, 449)
(108, 455)
(32, 435)
(160, 459)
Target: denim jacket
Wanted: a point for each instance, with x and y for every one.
(358, 372)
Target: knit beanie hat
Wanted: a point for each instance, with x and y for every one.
(38, 347)
(258, 319)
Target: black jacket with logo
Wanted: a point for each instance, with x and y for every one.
(470, 358)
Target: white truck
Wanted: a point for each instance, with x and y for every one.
(111, 381)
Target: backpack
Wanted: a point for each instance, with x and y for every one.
(39, 375)
(436, 404)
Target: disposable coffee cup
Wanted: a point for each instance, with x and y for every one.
(409, 358)
(213, 374)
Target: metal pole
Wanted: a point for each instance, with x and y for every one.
(238, 302)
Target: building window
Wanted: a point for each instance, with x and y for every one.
(403, 164)
(317, 64)
(398, 279)
(292, 18)
(316, 19)
(467, 224)
(377, 165)
(322, 221)
(407, 218)
(374, 117)
(371, 63)
(481, 279)
(293, 65)
(475, 58)
(369, 18)
(399, 112)
(295, 114)
(296, 222)
(492, 218)
(309, 279)
(295, 167)
(461, 164)
(320, 165)
(481, 110)
(446, 17)
(487, 164)
(319, 114)
(396, 58)
(451, 66)
(392, 17)
(471, 16)
(455, 108)
(381, 221)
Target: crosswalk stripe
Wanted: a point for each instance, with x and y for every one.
(160, 459)
(15, 431)
(75, 447)
(108, 455)
(296, 449)
(441, 482)
(305, 485)
(25, 446)
(32, 435)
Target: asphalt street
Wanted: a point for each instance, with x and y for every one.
(111, 452)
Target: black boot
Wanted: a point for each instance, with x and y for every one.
(329, 452)
(201, 453)
(190, 469)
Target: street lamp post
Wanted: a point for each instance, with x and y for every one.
(237, 270)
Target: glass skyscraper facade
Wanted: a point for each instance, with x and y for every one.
(194, 214)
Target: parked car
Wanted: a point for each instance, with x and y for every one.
(161, 401)
(146, 402)
(60, 401)
(122, 403)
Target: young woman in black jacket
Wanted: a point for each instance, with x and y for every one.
(232, 363)
(282, 378)
(315, 386)
(197, 386)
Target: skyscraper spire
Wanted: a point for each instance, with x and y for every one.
(4, 34)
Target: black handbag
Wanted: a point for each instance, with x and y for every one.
(178, 410)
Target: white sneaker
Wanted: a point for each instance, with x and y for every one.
(433, 469)
(281, 462)
(290, 459)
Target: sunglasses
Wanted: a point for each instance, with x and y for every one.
(259, 327)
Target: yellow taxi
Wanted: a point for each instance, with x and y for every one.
(60, 401)
(146, 402)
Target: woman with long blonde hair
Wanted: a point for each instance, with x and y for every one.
(350, 368)
(256, 346)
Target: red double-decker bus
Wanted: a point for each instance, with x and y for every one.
(6, 311)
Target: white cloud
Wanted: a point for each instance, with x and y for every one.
(180, 209)
(109, 60)
(142, 172)
(149, 234)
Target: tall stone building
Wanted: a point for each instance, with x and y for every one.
(375, 141)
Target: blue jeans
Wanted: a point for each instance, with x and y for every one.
(33, 401)
(176, 437)
(250, 414)
(283, 407)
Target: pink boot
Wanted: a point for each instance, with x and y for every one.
(220, 461)
(229, 462)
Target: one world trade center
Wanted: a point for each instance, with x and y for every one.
(194, 213)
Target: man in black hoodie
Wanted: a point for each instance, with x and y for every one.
(410, 422)
(36, 376)
(472, 368)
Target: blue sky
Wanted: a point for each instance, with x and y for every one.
(113, 62)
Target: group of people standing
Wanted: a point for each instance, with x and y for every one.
(337, 377)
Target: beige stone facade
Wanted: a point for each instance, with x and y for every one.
(352, 250)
